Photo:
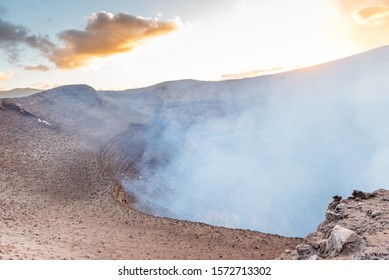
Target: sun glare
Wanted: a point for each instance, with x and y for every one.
(252, 37)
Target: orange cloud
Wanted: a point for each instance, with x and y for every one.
(367, 20)
(104, 35)
(372, 15)
(40, 67)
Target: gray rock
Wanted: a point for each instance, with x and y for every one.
(320, 245)
(340, 207)
(304, 249)
(339, 237)
(375, 214)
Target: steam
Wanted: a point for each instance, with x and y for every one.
(274, 166)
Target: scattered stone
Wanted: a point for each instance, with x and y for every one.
(323, 246)
(315, 245)
(320, 245)
(340, 207)
(332, 215)
(374, 256)
(375, 214)
(335, 202)
(337, 198)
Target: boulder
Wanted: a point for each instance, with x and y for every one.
(339, 237)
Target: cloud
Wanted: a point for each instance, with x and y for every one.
(5, 76)
(40, 67)
(104, 35)
(372, 15)
(12, 36)
(366, 22)
(365, 12)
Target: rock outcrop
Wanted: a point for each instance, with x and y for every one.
(354, 228)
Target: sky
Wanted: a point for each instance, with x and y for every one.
(121, 44)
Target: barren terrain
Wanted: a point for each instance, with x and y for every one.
(57, 202)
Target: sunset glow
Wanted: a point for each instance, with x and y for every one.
(115, 45)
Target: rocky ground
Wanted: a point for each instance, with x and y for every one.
(355, 228)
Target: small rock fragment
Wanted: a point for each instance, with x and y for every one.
(340, 207)
(375, 214)
(335, 202)
(320, 245)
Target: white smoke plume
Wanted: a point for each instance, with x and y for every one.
(275, 166)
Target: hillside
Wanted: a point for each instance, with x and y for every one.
(18, 92)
